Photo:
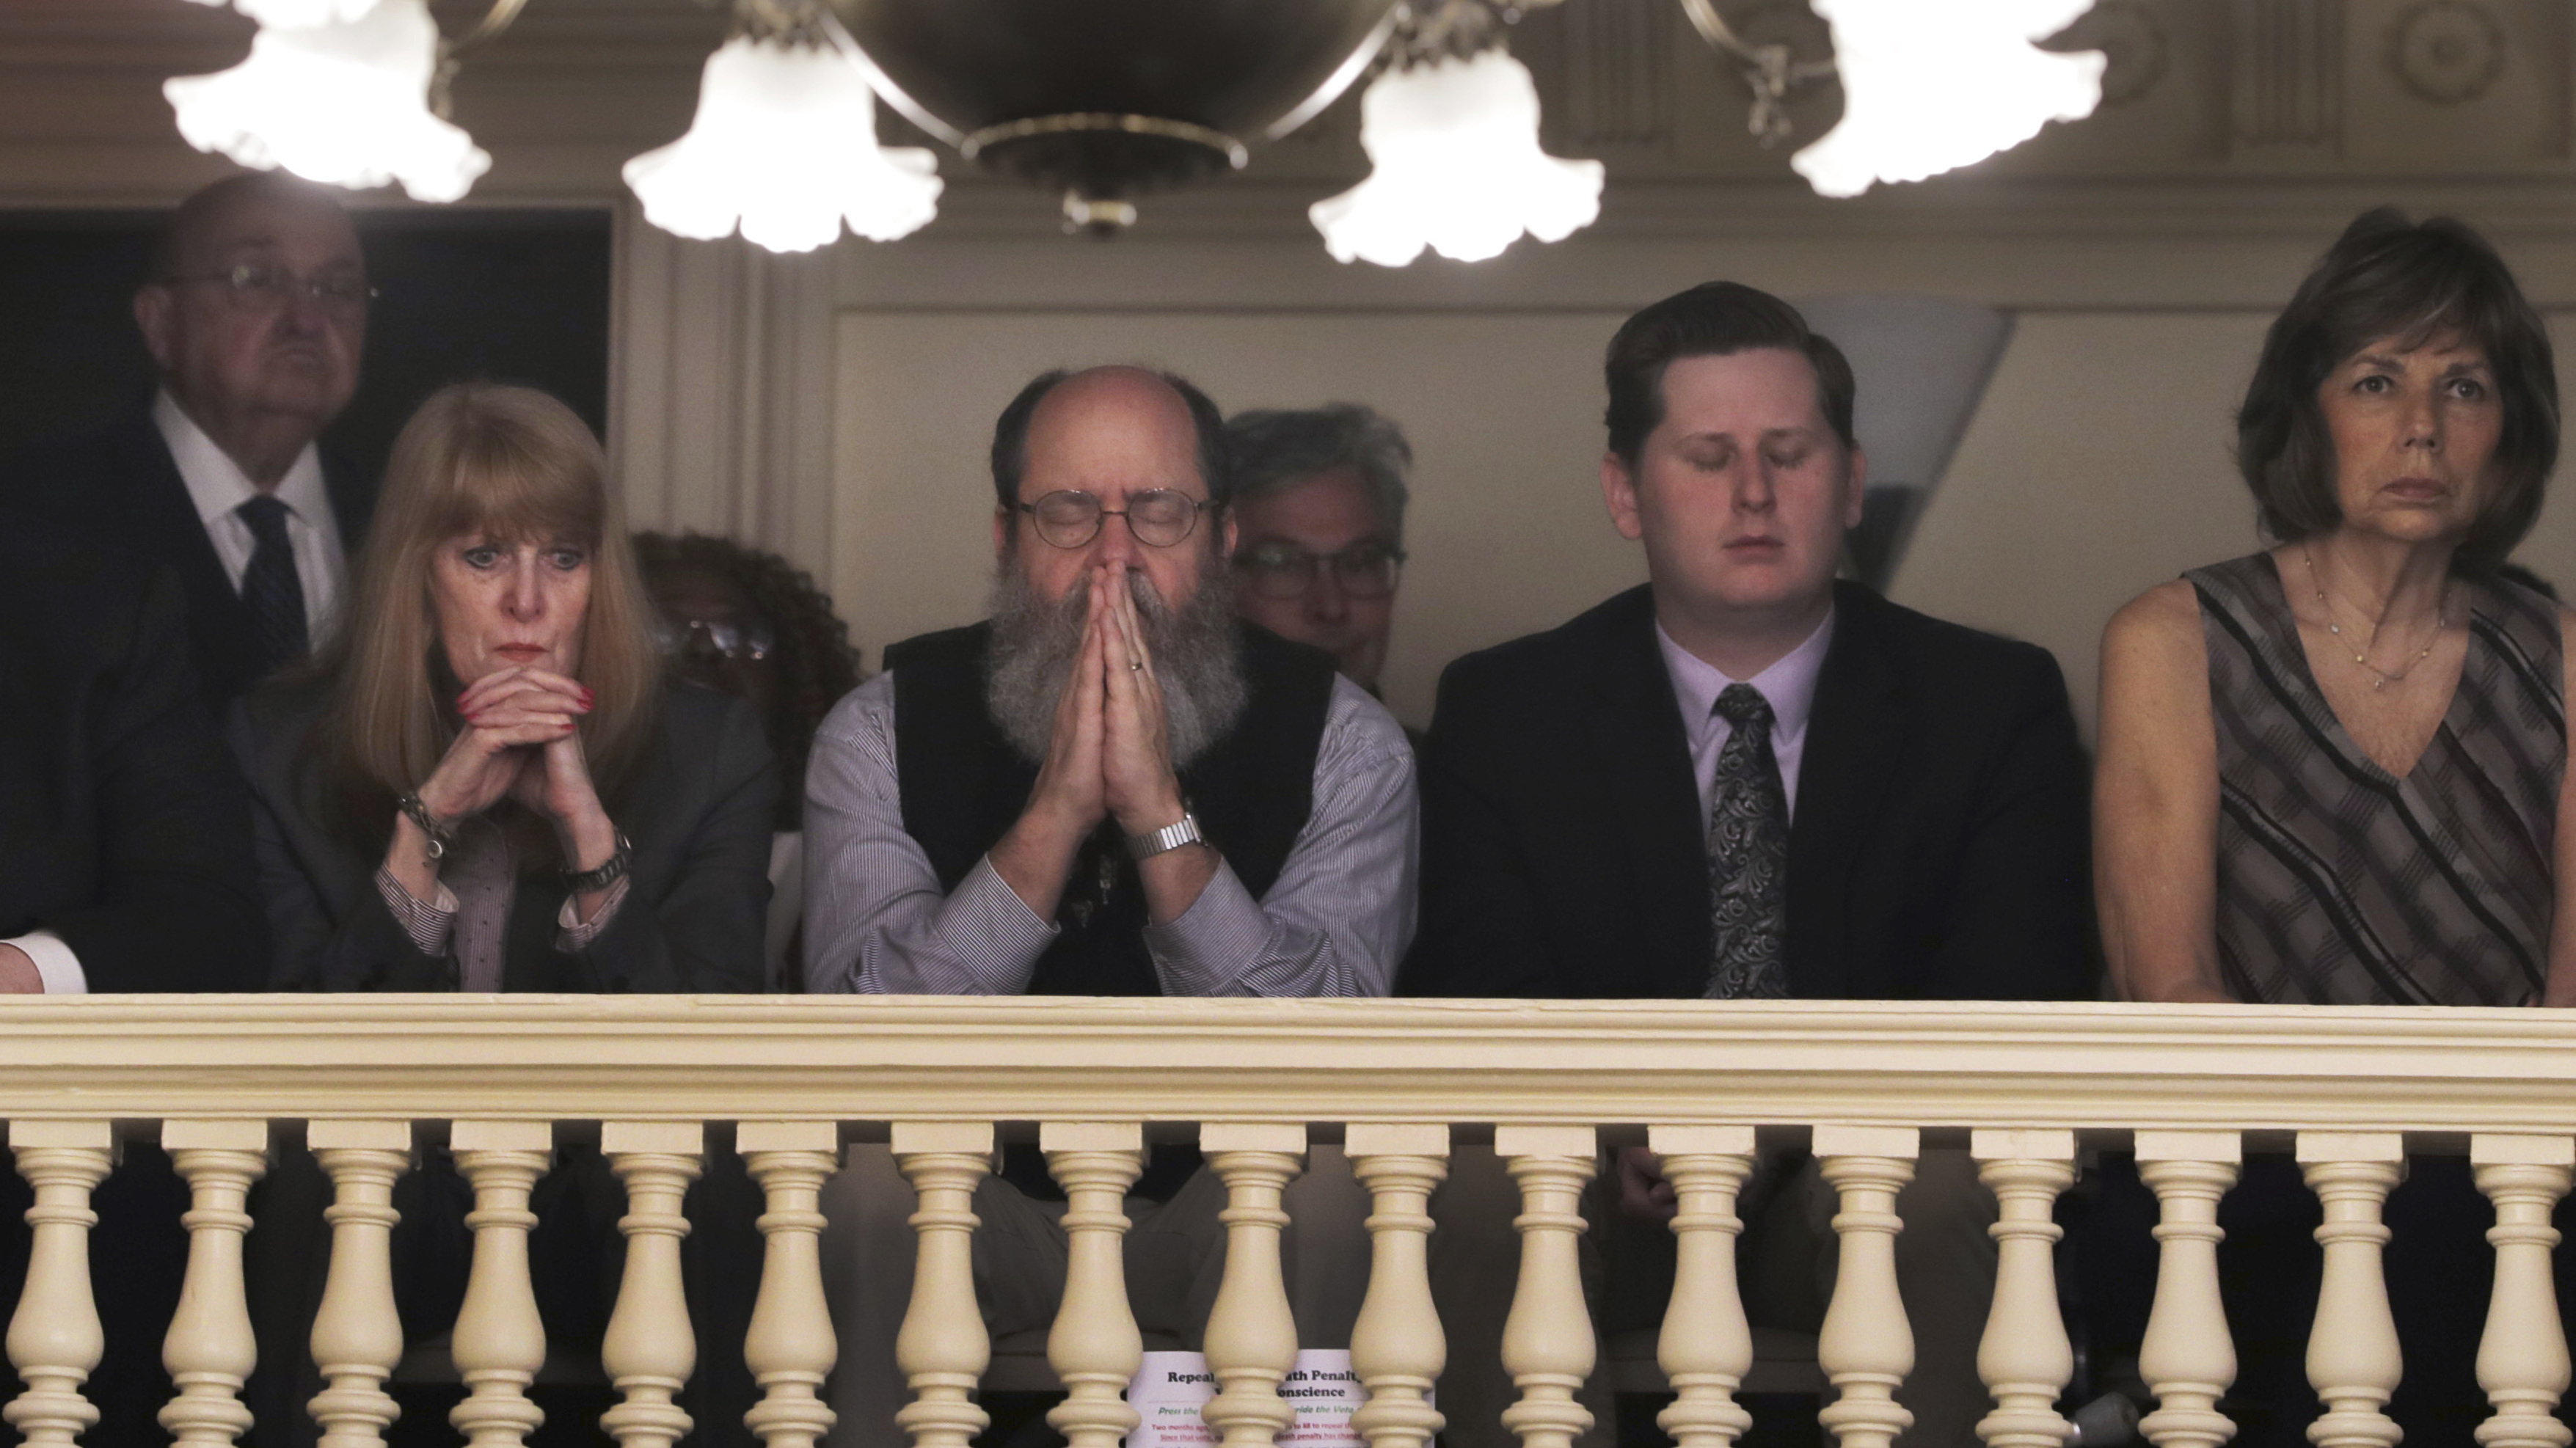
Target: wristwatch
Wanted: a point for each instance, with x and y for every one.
(608, 872)
(1169, 837)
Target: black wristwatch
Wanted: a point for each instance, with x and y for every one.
(610, 871)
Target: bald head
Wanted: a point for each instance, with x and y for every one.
(1100, 407)
(193, 238)
(255, 314)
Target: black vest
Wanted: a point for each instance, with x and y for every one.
(964, 786)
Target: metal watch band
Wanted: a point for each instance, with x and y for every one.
(610, 871)
(1169, 837)
(440, 837)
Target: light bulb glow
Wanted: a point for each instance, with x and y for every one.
(1456, 168)
(1931, 87)
(344, 103)
(784, 145)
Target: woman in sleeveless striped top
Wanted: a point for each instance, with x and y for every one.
(2335, 772)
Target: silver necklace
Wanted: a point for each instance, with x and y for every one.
(2381, 678)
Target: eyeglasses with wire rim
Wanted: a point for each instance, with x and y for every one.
(748, 642)
(255, 283)
(1158, 517)
(1367, 569)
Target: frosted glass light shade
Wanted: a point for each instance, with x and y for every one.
(1457, 168)
(1929, 87)
(294, 13)
(784, 145)
(345, 103)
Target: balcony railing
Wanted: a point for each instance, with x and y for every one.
(1865, 1085)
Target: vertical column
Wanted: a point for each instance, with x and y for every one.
(942, 1347)
(1396, 1344)
(2024, 1357)
(1094, 1346)
(1866, 1348)
(1547, 1339)
(1706, 1346)
(2186, 1358)
(1251, 1334)
(209, 1350)
(790, 1347)
(357, 1334)
(2522, 1357)
(499, 1341)
(649, 1349)
(54, 1334)
(2353, 1360)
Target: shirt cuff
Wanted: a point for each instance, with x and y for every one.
(428, 924)
(572, 933)
(1206, 947)
(58, 971)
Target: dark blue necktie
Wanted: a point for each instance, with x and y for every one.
(270, 588)
(1748, 856)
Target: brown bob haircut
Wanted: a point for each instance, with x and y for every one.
(510, 465)
(2388, 277)
(1713, 319)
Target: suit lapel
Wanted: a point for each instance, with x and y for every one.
(163, 510)
(352, 500)
(1645, 762)
(1855, 737)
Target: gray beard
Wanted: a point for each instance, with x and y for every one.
(1197, 659)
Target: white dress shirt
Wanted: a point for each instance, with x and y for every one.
(1334, 923)
(217, 485)
(1790, 685)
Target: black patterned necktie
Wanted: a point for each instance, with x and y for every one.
(1748, 856)
(270, 588)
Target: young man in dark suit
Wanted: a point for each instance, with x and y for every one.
(255, 312)
(1746, 779)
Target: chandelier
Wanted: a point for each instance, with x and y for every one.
(1102, 102)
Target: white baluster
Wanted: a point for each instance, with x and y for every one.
(1547, 1338)
(2353, 1360)
(1094, 1345)
(499, 1342)
(1706, 1346)
(54, 1333)
(357, 1334)
(1251, 1334)
(649, 1349)
(209, 1350)
(2025, 1357)
(790, 1347)
(1866, 1347)
(1396, 1344)
(2522, 1357)
(943, 1348)
(2186, 1358)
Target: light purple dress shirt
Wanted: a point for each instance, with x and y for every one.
(1790, 685)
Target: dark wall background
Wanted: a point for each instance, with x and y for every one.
(506, 295)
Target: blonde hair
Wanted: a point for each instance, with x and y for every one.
(510, 464)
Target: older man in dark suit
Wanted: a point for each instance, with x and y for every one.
(124, 866)
(255, 312)
(1746, 780)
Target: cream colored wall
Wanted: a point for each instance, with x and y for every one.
(2096, 467)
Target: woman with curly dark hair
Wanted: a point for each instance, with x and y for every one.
(750, 623)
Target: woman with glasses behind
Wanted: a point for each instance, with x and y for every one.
(747, 623)
(1319, 510)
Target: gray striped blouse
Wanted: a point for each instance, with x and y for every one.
(2341, 883)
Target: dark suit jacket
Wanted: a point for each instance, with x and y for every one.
(123, 824)
(1938, 849)
(120, 485)
(697, 818)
